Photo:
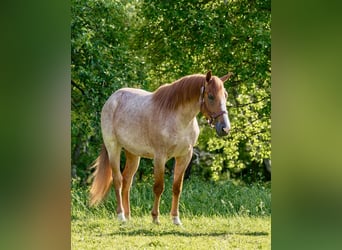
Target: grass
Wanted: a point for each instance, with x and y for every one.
(218, 215)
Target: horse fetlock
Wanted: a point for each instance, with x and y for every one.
(121, 217)
(155, 220)
(127, 216)
(176, 220)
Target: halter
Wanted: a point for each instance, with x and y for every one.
(206, 112)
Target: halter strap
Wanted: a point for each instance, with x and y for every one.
(206, 112)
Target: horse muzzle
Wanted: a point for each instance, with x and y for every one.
(223, 127)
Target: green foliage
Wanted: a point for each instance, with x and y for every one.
(182, 37)
(200, 233)
(149, 43)
(199, 198)
(101, 62)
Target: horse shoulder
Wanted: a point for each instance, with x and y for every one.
(193, 131)
(182, 139)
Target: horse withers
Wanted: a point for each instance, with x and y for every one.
(158, 125)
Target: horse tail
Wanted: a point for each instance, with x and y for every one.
(102, 177)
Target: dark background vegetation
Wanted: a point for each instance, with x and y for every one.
(144, 44)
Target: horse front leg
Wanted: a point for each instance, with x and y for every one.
(180, 167)
(158, 188)
(132, 164)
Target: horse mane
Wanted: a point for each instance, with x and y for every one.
(169, 97)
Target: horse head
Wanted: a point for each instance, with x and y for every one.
(213, 103)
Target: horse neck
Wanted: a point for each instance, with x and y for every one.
(188, 110)
(181, 98)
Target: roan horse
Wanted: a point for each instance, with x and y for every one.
(158, 125)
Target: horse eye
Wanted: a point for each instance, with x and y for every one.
(211, 97)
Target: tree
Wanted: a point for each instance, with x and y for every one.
(101, 62)
(177, 38)
(145, 44)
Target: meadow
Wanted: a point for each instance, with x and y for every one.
(215, 215)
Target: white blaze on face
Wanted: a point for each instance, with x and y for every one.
(225, 118)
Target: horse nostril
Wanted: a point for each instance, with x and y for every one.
(226, 130)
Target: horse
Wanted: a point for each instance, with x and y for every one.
(158, 125)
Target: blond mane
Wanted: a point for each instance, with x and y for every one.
(169, 97)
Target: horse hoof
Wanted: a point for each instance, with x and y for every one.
(176, 221)
(121, 217)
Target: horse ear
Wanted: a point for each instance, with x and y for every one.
(226, 77)
(208, 77)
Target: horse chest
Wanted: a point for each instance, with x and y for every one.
(179, 141)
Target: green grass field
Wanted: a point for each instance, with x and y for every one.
(218, 215)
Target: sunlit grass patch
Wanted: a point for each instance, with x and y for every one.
(214, 215)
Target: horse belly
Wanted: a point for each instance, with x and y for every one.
(138, 148)
(134, 139)
(142, 143)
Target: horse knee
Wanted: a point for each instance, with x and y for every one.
(176, 189)
(125, 185)
(158, 188)
(126, 180)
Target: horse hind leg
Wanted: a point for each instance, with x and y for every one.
(114, 159)
(132, 164)
(180, 167)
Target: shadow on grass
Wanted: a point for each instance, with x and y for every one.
(149, 233)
